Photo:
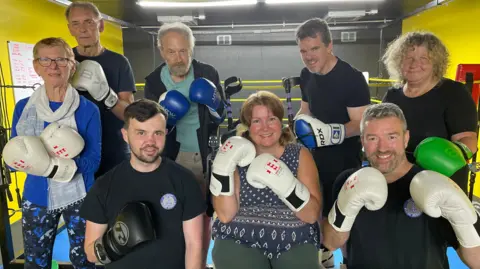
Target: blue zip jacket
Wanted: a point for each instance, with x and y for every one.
(89, 127)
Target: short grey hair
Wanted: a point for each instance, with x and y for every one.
(177, 27)
(312, 28)
(84, 5)
(381, 111)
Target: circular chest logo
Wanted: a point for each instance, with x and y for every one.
(120, 233)
(411, 209)
(168, 201)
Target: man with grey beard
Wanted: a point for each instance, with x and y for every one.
(191, 121)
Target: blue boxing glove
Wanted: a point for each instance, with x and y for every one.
(204, 92)
(176, 105)
(314, 133)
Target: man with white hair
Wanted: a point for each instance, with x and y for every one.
(191, 93)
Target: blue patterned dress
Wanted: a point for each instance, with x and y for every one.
(263, 220)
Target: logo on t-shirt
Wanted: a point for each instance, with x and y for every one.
(168, 201)
(411, 209)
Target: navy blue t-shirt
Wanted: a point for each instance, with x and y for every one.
(328, 97)
(398, 235)
(119, 75)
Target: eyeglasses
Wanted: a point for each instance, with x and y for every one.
(46, 62)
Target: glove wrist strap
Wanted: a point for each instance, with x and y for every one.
(467, 235)
(226, 183)
(217, 118)
(101, 252)
(467, 153)
(339, 221)
(111, 99)
(298, 198)
(63, 169)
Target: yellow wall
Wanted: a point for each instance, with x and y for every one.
(456, 24)
(29, 21)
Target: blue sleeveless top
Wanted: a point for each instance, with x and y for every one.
(263, 221)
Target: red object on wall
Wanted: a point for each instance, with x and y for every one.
(462, 70)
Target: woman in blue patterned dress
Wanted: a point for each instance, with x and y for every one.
(269, 218)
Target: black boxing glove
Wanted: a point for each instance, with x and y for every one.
(133, 226)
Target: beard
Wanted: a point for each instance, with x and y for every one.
(147, 158)
(179, 69)
(385, 167)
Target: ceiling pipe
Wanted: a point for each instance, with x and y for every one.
(232, 26)
(272, 31)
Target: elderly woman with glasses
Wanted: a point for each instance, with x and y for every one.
(56, 141)
(441, 114)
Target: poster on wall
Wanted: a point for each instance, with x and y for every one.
(21, 68)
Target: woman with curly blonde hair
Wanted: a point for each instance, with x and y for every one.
(435, 107)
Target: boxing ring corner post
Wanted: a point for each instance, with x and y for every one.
(474, 167)
(288, 83)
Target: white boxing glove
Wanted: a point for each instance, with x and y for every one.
(235, 151)
(366, 187)
(437, 195)
(325, 134)
(62, 141)
(275, 174)
(27, 154)
(90, 77)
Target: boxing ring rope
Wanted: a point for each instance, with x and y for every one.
(276, 85)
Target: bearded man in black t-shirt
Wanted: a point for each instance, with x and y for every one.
(145, 212)
(395, 214)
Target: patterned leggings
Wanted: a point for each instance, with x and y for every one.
(39, 232)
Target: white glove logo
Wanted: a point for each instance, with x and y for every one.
(60, 151)
(350, 184)
(228, 146)
(272, 167)
(20, 165)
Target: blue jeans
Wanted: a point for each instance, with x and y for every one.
(39, 232)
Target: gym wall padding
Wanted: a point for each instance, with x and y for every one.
(28, 22)
(456, 24)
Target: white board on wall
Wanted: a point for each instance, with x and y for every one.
(21, 68)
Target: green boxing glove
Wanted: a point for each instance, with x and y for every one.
(441, 155)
